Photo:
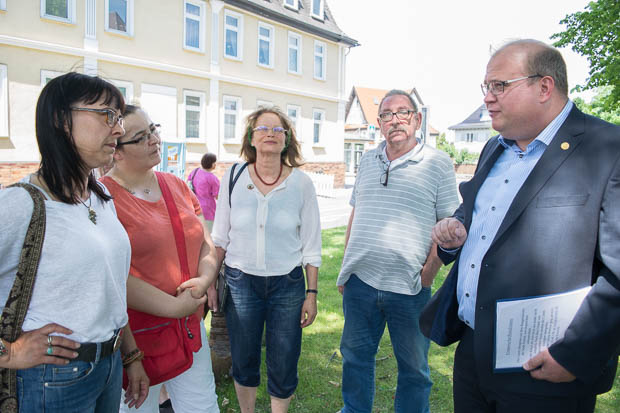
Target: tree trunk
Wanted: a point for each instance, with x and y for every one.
(220, 346)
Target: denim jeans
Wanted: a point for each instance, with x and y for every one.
(274, 302)
(366, 312)
(77, 387)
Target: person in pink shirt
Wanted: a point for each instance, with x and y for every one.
(206, 186)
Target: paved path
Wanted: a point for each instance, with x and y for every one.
(335, 211)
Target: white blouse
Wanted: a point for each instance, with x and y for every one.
(271, 234)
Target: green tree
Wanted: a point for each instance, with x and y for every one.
(458, 157)
(597, 108)
(595, 33)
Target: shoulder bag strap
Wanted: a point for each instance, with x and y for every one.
(232, 183)
(17, 303)
(177, 225)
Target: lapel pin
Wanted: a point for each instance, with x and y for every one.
(564, 146)
(250, 186)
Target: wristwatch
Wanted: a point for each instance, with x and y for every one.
(3, 350)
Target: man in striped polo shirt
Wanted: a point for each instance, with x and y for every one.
(403, 187)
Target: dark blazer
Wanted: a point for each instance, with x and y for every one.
(561, 232)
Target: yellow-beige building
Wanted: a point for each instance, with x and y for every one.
(198, 67)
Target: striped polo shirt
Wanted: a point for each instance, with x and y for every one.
(391, 231)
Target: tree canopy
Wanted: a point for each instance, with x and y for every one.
(595, 34)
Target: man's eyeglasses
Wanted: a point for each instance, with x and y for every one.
(383, 179)
(496, 87)
(112, 118)
(401, 114)
(263, 130)
(154, 131)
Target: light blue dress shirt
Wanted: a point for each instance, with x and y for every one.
(492, 202)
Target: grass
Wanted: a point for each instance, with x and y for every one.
(320, 366)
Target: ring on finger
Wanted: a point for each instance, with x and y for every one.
(49, 341)
(50, 351)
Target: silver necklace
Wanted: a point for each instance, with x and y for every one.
(92, 215)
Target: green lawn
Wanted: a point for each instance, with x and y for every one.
(320, 366)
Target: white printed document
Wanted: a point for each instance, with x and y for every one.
(524, 326)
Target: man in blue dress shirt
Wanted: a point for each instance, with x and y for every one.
(540, 216)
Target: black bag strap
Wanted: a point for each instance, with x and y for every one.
(17, 303)
(232, 181)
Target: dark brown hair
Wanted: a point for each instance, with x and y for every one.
(208, 159)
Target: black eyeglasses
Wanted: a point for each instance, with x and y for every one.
(496, 87)
(154, 131)
(401, 114)
(383, 179)
(112, 118)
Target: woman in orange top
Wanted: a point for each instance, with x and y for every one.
(156, 286)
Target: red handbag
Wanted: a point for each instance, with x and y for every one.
(168, 344)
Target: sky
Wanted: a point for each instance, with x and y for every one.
(441, 47)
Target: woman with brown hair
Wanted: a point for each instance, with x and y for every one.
(266, 232)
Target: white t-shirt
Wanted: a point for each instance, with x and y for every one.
(81, 282)
(269, 234)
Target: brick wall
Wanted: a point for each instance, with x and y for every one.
(330, 168)
(465, 168)
(13, 172)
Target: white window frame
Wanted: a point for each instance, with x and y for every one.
(237, 100)
(128, 88)
(324, 60)
(239, 30)
(201, 21)
(294, 6)
(321, 9)
(4, 101)
(321, 124)
(49, 74)
(130, 14)
(299, 52)
(264, 103)
(70, 12)
(270, 39)
(297, 120)
(201, 114)
(2, 4)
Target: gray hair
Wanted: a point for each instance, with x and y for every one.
(397, 92)
(542, 59)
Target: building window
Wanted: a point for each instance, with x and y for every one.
(47, 75)
(264, 103)
(318, 116)
(61, 10)
(294, 113)
(119, 16)
(317, 9)
(347, 156)
(265, 44)
(2, 4)
(233, 35)
(194, 114)
(194, 25)
(359, 150)
(4, 101)
(232, 108)
(319, 60)
(126, 89)
(294, 53)
(291, 4)
(470, 137)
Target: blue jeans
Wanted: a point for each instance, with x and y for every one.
(276, 302)
(366, 312)
(75, 387)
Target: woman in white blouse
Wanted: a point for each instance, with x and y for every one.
(268, 231)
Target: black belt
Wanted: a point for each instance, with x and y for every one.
(88, 351)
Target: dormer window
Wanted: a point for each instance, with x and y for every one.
(484, 115)
(291, 4)
(316, 10)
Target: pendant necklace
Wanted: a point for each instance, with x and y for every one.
(92, 215)
(261, 179)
